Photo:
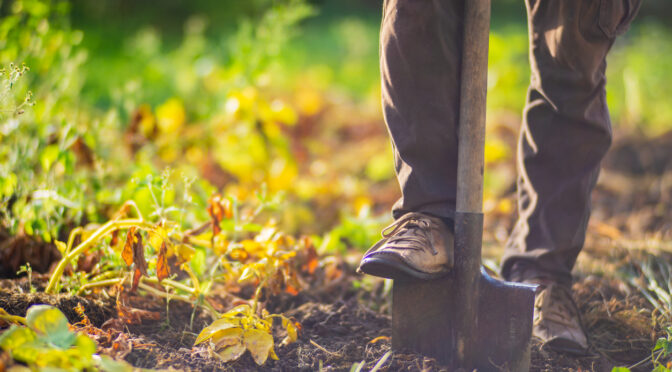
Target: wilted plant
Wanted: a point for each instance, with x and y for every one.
(241, 329)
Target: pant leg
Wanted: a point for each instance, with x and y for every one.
(566, 132)
(420, 52)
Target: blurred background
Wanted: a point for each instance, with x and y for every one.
(168, 102)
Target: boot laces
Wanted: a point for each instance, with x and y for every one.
(558, 306)
(413, 228)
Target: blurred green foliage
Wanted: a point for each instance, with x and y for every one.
(235, 94)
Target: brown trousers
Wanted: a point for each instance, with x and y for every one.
(565, 131)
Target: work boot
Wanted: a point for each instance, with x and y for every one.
(417, 245)
(557, 321)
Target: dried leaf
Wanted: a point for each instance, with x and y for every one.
(139, 255)
(259, 343)
(162, 267)
(115, 239)
(216, 212)
(137, 274)
(311, 259)
(79, 309)
(135, 316)
(291, 290)
(127, 253)
(134, 253)
(83, 153)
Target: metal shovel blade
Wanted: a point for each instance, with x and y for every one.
(466, 319)
(501, 334)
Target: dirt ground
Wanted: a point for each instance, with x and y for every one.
(344, 331)
(347, 324)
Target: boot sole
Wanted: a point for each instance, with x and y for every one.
(566, 347)
(393, 269)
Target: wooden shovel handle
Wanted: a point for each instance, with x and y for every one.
(474, 83)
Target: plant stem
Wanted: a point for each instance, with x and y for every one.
(100, 283)
(186, 299)
(83, 246)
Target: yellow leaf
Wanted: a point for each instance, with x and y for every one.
(273, 355)
(495, 151)
(259, 343)
(232, 352)
(308, 101)
(171, 116)
(226, 338)
(217, 325)
(147, 121)
(184, 252)
(248, 273)
(157, 237)
(292, 332)
(282, 112)
(61, 246)
(251, 246)
(240, 309)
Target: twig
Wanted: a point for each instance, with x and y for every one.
(641, 362)
(325, 350)
(196, 231)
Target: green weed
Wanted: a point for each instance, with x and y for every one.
(44, 341)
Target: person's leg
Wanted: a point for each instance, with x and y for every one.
(420, 52)
(566, 131)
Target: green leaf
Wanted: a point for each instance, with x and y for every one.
(49, 156)
(85, 345)
(16, 336)
(51, 325)
(620, 369)
(107, 364)
(30, 352)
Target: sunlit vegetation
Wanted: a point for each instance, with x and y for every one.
(234, 157)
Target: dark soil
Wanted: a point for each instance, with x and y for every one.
(345, 331)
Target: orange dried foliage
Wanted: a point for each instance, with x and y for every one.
(134, 253)
(218, 209)
(127, 253)
(131, 315)
(115, 239)
(83, 153)
(311, 259)
(162, 267)
(291, 290)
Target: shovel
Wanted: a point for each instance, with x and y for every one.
(467, 319)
